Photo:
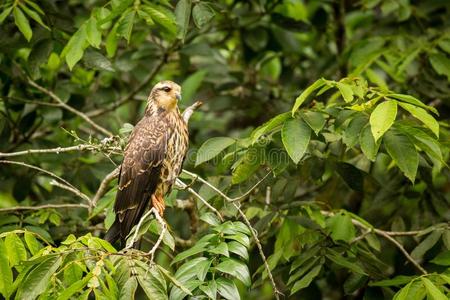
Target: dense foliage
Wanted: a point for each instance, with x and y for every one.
(318, 163)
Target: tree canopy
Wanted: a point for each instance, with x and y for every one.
(318, 160)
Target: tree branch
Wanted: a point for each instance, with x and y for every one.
(103, 187)
(51, 150)
(63, 105)
(45, 206)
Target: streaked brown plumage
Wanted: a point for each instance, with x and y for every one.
(152, 160)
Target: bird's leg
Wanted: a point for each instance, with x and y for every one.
(158, 204)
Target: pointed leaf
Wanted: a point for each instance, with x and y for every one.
(304, 95)
(295, 135)
(22, 23)
(211, 148)
(382, 118)
(423, 116)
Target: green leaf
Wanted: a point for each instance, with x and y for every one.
(248, 164)
(396, 281)
(235, 268)
(304, 95)
(269, 126)
(211, 148)
(32, 243)
(189, 269)
(382, 118)
(15, 249)
(352, 132)
(174, 280)
(74, 49)
(295, 135)
(426, 245)
(74, 288)
(443, 259)
(306, 280)
(202, 269)
(341, 227)
(210, 289)
(222, 249)
(441, 64)
(227, 289)
(367, 143)
(197, 248)
(238, 249)
(126, 25)
(5, 13)
(162, 16)
(94, 36)
(6, 275)
(432, 290)
(111, 41)
(412, 100)
(202, 14)
(423, 116)
(38, 279)
(315, 120)
(34, 15)
(344, 262)
(129, 289)
(22, 23)
(346, 91)
(183, 16)
(403, 152)
(191, 85)
(152, 282)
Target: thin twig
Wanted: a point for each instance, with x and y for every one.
(133, 240)
(222, 194)
(72, 190)
(45, 206)
(276, 292)
(51, 150)
(184, 186)
(161, 235)
(102, 189)
(63, 105)
(386, 235)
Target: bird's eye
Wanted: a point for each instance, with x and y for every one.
(166, 89)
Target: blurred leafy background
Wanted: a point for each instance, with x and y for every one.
(333, 115)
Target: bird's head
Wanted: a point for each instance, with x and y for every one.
(165, 95)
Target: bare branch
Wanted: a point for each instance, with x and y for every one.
(63, 105)
(161, 235)
(51, 150)
(184, 186)
(386, 235)
(72, 190)
(45, 206)
(102, 189)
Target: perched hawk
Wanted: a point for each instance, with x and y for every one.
(152, 160)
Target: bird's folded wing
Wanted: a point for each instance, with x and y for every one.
(140, 171)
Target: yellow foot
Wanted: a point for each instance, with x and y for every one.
(158, 204)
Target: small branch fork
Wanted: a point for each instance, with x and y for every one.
(389, 236)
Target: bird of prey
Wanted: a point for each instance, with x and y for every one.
(152, 160)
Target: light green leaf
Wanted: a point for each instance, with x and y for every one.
(306, 280)
(412, 100)
(423, 116)
(129, 289)
(441, 64)
(315, 120)
(432, 290)
(74, 49)
(346, 91)
(235, 268)
(304, 95)
(111, 41)
(190, 86)
(403, 152)
(162, 16)
(34, 15)
(5, 13)
(6, 275)
(15, 249)
(382, 118)
(222, 249)
(152, 282)
(341, 227)
(238, 249)
(295, 135)
(32, 243)
(269, 126)
(210, 289)
(202, 14)
(197, 248)
(183, 16)
(443, 259)
(367, 143)
(94, 36)
(227, 289)
(126, 25)
(38, 279)
(211, 148)
(22, 23)
(202, 269)
(75, 287)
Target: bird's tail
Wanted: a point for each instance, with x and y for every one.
(113, 233)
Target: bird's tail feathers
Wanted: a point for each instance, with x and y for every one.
(113, 233)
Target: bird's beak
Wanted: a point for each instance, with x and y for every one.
(178, 96)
